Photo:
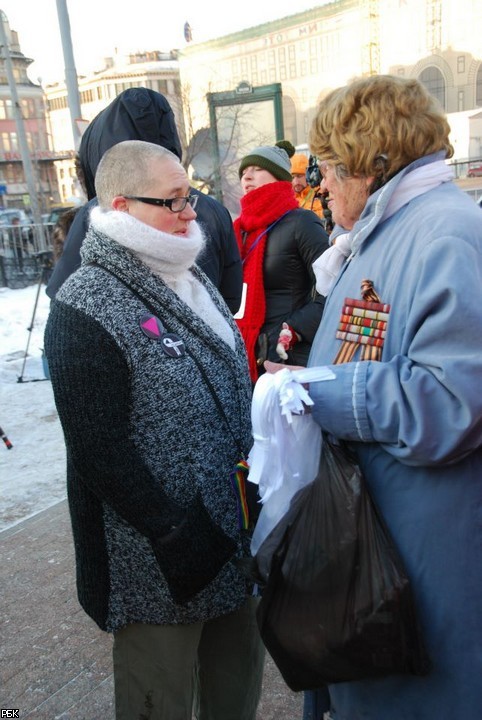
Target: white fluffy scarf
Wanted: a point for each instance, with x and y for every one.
(168, 256)
(414, 183)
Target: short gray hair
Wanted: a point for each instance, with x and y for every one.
(128, 168)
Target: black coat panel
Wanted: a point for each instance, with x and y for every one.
(291, 248)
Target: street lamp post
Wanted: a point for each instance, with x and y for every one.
(70, 70)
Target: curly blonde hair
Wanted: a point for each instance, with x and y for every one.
(377, 125)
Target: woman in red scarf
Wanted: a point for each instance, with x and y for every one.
(278, 241)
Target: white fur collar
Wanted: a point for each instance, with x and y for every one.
(170, 257)
(165, 254)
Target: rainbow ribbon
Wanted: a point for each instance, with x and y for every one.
(238, 482)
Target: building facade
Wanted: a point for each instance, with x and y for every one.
(13, 184)
(155, 70)
(310, 53)
(306, 54)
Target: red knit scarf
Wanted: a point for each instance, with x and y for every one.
(260, 208)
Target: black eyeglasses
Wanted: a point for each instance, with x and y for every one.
(175, 205)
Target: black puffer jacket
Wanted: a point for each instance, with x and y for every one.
(142, 114)
(292, 247)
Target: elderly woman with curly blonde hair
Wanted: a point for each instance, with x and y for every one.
(401, 330)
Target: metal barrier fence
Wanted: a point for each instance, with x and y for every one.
(25, 251)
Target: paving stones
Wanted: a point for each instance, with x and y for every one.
(55, 664)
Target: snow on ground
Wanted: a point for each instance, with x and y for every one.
(32, 473)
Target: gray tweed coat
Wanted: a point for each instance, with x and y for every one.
(149, 454)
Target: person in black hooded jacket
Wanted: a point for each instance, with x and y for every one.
(142, 114)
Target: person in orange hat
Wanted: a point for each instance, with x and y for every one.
(308, 197)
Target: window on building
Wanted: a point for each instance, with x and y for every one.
(314, 66)
(303, 68)
(6, 110)
(14, 173)
(59, 103)
(460, 101)
(478, 87)
(271, 58)
(10, 173)
(289, 118)
(434, 81)
(461, 64)
(292, 70)
(291, 53)
(282, 73)
(28, 108)
(43, 139)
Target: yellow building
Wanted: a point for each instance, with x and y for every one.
(306, 55)
(312, 52)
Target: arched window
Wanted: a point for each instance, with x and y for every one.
(434, 81)
(478, 87)
(289, 119)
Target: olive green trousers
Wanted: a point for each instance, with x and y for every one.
(209, 670)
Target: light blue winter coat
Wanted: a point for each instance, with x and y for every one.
(415, 419)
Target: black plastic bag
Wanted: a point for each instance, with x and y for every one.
(337, 604)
